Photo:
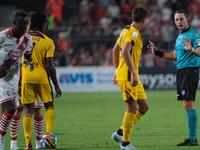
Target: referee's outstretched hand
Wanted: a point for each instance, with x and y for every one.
(152, 47)
(188, 45)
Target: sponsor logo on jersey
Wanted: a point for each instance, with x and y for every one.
(197, 34)
(15, 54)
(135, 34)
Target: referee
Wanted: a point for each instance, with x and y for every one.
(186, 53)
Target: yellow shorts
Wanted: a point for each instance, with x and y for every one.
(31, 90)
(137, 93)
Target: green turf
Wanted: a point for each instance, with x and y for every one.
(85, 121)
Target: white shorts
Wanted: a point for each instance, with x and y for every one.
(37, 104)
(7, 93)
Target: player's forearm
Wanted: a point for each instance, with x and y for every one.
(27, 57)
(52, 74)
(127, 58)
(115, 59)
(166, 55)
(115, 55)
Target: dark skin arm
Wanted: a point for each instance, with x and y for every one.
(28, 61)
(52, 74)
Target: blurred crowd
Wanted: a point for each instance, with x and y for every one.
(89, 35)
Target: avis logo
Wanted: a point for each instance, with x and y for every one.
(15, 54)
(75, 78)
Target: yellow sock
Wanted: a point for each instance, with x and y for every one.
(49, 119)
(138, 116)
(128, 123)
(27, 122)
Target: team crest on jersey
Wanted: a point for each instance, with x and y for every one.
(135, 34)
(15, 54)
(198, 41)
(8, 93)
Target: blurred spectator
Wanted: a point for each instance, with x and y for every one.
(113, 9)
(167, 32)
(166, 13)
(105, 22)
(193, 11)
(88, 59)
(142, 3)
(105, 3)
(125, 9)
(63, 44)
(51, 19)
(148, 59)
(155, 33)
(56, 6)
(160, 62)
(100, 11)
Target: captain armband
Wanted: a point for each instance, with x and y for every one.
(159, 53)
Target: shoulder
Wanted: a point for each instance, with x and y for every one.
(4, 32)
(28, 36)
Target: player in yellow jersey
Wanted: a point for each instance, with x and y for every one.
(37, 82)
(126, 54)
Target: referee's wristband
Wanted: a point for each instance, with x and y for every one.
(159, 53)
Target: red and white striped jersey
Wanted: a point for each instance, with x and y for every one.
(11, 52)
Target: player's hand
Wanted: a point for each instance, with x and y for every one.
(115, 82)
(152, 47)
(29, 65)
(134, 80)
(188, 45)
(58, 92)
(3, 71)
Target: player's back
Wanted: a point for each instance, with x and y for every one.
(132, 35)
(43, 47)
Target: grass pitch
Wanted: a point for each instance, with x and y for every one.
(85, 121)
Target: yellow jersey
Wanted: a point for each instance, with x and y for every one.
(43, 47)
(132, 35)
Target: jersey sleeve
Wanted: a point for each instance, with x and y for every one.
(196, 40)
(50, 51)
(132, 37)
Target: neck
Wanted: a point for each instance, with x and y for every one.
(16, 34)
(138, 26)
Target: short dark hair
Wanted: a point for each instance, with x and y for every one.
(139, 13)
(20, 14)
(30, 14)
(181, 11)
(37, 21)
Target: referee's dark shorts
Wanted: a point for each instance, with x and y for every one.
(187, 80)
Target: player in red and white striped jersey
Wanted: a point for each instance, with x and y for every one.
(14, 43)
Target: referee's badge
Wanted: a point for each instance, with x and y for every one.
(179, 41)
(198, 41)
(183, 92)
